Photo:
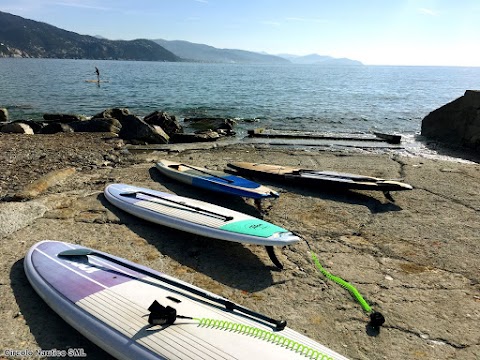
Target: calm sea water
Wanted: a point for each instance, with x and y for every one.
(307, 97)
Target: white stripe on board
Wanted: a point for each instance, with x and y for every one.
(70, 269)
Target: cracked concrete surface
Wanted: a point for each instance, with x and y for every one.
(416, 260)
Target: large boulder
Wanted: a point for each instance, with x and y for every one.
(18, 128)
(115, 113)
(3, 115)
(168, 123)
(97, 125)
(134, 128)
(457, 122)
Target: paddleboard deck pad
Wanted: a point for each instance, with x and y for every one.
(214, 180)
(320, 178)
(111, 301)
(197, 217)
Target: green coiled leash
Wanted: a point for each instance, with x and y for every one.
(265, 335)
(167, 315)
(376, 318)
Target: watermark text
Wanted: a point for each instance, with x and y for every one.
(59, 353)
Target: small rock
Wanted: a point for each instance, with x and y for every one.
(17, 128)
(3, 115)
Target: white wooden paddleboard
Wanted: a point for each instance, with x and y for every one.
(197, 216)
(320, 178)
(106, 299)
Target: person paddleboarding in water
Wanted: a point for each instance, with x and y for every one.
(98, 75)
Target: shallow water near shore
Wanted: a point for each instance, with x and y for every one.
(307, 97)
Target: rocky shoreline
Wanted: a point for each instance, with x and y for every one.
(416, 260)
(157, 127)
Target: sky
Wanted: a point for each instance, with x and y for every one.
(375, 32)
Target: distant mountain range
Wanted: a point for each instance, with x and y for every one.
(319, 60)
(205, 53)
(21, 37)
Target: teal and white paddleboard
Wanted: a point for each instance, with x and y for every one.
(197, 217)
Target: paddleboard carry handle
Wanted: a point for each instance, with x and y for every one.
(196, 208)
(160, 315)
(230, 306)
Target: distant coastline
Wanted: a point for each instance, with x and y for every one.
(24, 38)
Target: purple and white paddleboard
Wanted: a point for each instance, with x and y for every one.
(111, 301)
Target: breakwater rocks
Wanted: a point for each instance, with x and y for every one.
(155, 128)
